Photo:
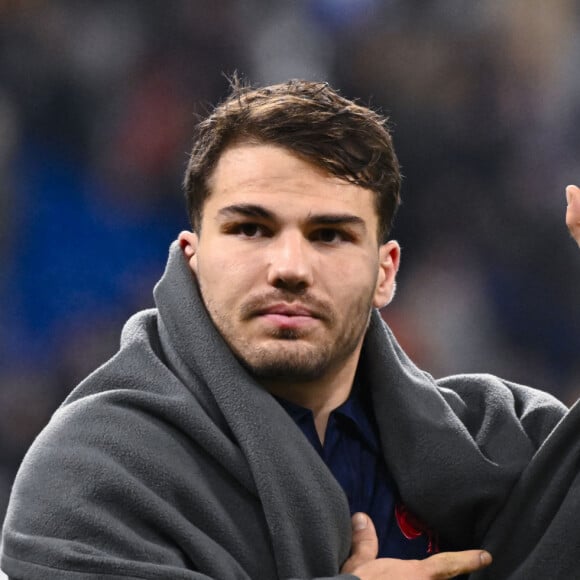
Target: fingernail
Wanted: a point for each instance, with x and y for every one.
(359, 522)
(485, 558)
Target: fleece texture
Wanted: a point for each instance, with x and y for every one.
(171, 462)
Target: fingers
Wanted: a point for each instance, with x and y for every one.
(365, 547)
(452, 564)
(573, 211)
(571, 191)
(365, 544)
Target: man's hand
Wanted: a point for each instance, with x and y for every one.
(573, 212)
(363, 561)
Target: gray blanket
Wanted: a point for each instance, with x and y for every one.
(170, 462)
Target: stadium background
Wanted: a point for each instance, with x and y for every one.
(97, 105)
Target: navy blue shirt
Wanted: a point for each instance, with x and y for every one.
(353, 454)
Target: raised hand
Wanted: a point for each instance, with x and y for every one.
(363, 561)
(573, 211)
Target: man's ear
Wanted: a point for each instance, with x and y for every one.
(188, 243)
(389, 258)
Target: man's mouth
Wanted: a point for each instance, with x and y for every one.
(290, 310)
(293, 316)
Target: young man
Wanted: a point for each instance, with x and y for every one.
(263, 402)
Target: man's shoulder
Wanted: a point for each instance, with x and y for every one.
(139, 374)
(133, 408)
(492, 389)
(487, 399)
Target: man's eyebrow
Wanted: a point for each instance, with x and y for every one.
(246, 210)
(250, 210)
(337, 220)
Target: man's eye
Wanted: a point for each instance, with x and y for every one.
(329, 236)
(250, 230)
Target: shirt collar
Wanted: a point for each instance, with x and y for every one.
(359, 413)
(355, 410)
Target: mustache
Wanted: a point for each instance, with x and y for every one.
(254, 305)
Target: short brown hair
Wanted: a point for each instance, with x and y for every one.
(310, 119)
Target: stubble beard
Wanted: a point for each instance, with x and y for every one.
(290, 355)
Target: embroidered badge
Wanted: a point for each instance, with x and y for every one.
(412, 528)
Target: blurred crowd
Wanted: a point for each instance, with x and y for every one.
(98, 101)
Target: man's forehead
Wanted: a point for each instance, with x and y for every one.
(251, 162)
(285, 184)
(270, 169)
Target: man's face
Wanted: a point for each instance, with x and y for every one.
(288, 263)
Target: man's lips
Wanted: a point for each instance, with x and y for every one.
(288, 310)
(288, 315)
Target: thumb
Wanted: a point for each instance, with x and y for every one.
(365, 544)
(573, 211)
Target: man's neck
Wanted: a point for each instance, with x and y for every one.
(321, 396)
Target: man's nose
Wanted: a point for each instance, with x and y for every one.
(290, 262)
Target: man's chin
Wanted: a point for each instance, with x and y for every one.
(297, 366)
(287, 374)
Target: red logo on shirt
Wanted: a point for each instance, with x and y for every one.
(412, 527)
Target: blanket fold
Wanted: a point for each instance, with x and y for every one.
(536, 534)
(170, 462)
